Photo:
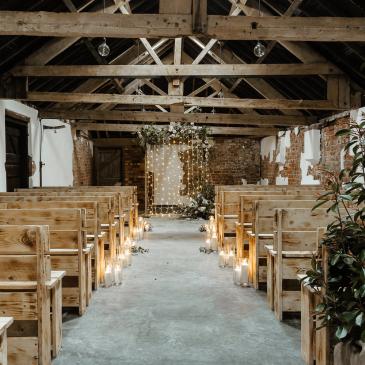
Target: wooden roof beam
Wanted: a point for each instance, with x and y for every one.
(48, 24)
(199, 118)
(177, 70)
(132, 128)
(186, 100)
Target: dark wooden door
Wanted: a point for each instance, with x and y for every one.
(16, 164)
(108, 166)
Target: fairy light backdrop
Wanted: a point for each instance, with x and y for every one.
(176, 165)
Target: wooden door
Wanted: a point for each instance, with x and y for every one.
(108, 166)
(16, 164)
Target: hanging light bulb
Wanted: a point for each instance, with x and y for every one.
(103, 48)
(259, 49)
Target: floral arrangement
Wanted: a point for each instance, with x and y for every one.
(201, 205)
(180, 132)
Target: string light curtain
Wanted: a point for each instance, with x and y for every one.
(177, 160)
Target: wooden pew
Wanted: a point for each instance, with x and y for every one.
(25, 263)
(295, 243)
(228, 208)
(315, 344)
(260, 211)
(69, 252)
(91, 208)
(107, 213)
(126, 196)
(5, 323)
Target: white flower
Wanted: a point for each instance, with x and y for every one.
(202, 209)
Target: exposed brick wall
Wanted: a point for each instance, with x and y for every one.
(234, 159)
(82, 161)
(330, 151)
(332, 146)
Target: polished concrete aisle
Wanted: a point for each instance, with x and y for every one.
(176, 306)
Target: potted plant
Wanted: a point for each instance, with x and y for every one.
(342, 307)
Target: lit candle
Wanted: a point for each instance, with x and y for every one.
(222, 259)
(108, 277)
(117, 274)
(231, 259)
(237, 275)
(122, 260)
(127, 243)
(244, 272)
(208, 244)
(214, 242)
(128, 258)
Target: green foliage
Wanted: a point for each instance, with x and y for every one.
(176, 132)
(201, 205)
(343, 306)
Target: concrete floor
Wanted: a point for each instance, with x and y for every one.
(176, 306)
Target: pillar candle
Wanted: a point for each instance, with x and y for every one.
(117, 274)
(231, 259)
(128, 258)
(214, 242)
(244, 273)
(108, 277)
(208, 243)
(237, 275)
(222, 259)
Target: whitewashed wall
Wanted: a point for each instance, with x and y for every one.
(56, 151)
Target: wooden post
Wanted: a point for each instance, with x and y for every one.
(200, 16)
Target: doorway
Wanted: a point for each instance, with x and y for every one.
(108, 166)
(16, 165)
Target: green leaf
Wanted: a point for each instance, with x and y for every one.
(341, 332)
(359, 319)
(343, 132)
(335, 259)
(320, 307)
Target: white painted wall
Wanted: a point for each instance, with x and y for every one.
(57, 148)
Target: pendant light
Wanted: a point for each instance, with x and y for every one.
(260, 49)
(103, 48)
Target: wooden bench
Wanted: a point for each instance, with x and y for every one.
(295, 244)
(315, 343)
(5, 323)
(91, 208)
(69, 251)
(126, 199)
(105, 214)
(260, 211)
(108, 209)
(25, 270)
(229, 207)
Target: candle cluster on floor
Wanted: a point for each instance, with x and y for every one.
(226, 257)
(211, 240)
(114, 268)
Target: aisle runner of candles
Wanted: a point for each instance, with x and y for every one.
(114, 269)
(226, 259)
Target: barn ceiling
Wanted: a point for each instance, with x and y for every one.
(349, 57)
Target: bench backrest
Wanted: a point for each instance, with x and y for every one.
(91, 209)
(295, 229)
(67, 227)
(247, 203)
(25, 270)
